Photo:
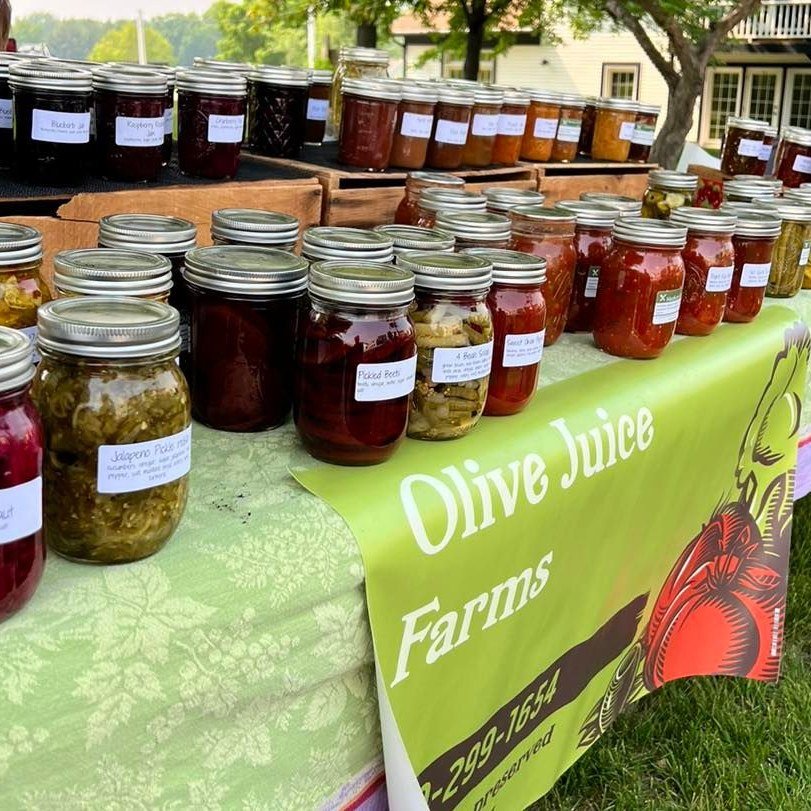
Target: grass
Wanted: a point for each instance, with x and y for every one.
(711, 744)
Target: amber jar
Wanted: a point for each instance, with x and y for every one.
(368, 122)
(475, 229)
(250, 226)
(481, 138)
(587, 127)
(22, 288)
(277, 111)
(644, 132)
(416, 182)
(353, 63)
(543, 117)
(413, 238)
(434, 201)
(743, 140)
(511, 125)
(625, 205)
(668, 190)
(793, 161)
(6, 117)
(415, 120)
(567, 136)
(614, 126)
(501, 200)
(326, 243)
(451, 124)
(318, 96)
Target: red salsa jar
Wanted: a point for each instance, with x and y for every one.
(415, 120)
(709, 263)
(475, 229)
(434, 201)
(512, 122)
(368, 122)
(549, 234)
(503, 200)
(318, 96)
(277, 111)
(481, 138)
(356, 362)
(743, 142)
(416, 182)
(451, 126)
(644, 132)
(640, 288)
(793, 160)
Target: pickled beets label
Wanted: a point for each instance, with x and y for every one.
(376, 382)
(60, 128)
(20, 511)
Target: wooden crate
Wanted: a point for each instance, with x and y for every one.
(567, 181)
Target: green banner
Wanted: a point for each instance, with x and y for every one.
(527, 582)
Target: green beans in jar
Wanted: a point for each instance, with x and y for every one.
(792, 251)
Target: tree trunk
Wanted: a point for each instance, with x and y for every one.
(473, 52)
(680, 107)
(366, 35)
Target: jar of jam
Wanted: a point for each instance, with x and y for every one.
(743, 140)
(792, 251)
(315, 127)
(353, 63)
(52, 111)
(592, 235)
(614, 126)
(415, 120)
(549, 234)
(454, 332)
(501, 200)
(22, 551)
(277, 111)
(481, 139)
(743, 189)
(251, 226)
(668, 190)
(543, 117)
(434, 201)
(416, 182)
(6, 118)
(356, 362)
(567, 137)
(793, 161)
(644, 132)
(640, 289)
(519, 319)
(337, 243)
(210, 122)
(765, 156)
(587, 127)
(413, 238)
(22, 288)
(709, 263)
(451, 125)
(619, 202)
(512, 122)
(475, 229)
(368, 123)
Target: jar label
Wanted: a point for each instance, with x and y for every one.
(755, 274)
(20, 511)
(805, 253)
(60, 128)
(545, 127)
(591, 281)
(169, 121)
(765, 152)
(139, 131)
(485, 125)
(451, 132)
(6, 115)
(627, 130)
(749, 148)
(463, 364)
(376, 382)
(509, 124)
(416, 125)
(643, 134)
(719, 279)
(31, 334)
(666, 308)
(141, 465)
(802, 163)
(225, 129)
(523, 350)
(317, 109)
(569, 130)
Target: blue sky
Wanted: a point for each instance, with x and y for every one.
(105, 9)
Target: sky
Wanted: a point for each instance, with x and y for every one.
(106, 9)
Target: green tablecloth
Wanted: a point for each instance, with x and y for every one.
(232, 670)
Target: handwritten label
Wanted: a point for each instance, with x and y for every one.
(169, 121)
(416, 125)
(805, 253)
(225, 129)
(451, 132)
(462, 365)
(509, 124)
(20, 511)
(765, 152)
(523, 350)
(139, 131)
(666, 308)
(802, 163)
(485, 125)
(545, 127)
(643, 134)
(627, 130)
(749, 148)
(376, 382)
(31, 334)
(592, 281)
(317, 109)
(60, 128)
(755, 274)
(569, 130)
(6, 114)
(719, 279)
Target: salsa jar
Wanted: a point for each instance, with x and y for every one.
(454, 334)
(481, 139)
(210, 122)
(668, 190)
(501, 200)
(614, 127)
(324, 243)
(450, 131)
(6, 117)
(356, 362)
(252, 226)
(277, 111)
(22, 550)
(549, 234)
(415, 120)
(709, 264)
(53, 105)
(644, 132)
(567, 135)
(518, 309)
(245, 304)
(743, 141)
(434, 201)
(416, 182)
(792, 250)
(587, 127)
(353, 63)
(368, 123)
(22, 288)
(640, 289)
(542, 126)
(117, 421)
(746, 189)
(619, 202)
(413, 238)
(475, 229)
(793, 160)
(512, 122)
(318, 93)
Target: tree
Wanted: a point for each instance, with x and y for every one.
(189, 35)
(121, 45)
(68, 39)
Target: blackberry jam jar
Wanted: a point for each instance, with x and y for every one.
(416, 182)
(368, 123)
(277, 111)
(250, 226)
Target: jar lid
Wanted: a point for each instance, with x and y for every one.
(789, 210)
(649, 109)
(353, 239)
(455, 96)
(320, 77)
(130, 80)
(499, 199)
(108, 327)
(371, 89)
(49, 74)
(154, 233)
(589, 213)
(753, 222)
(542, 96)
(770, 132)
(447, 271)
(213, 82)
(792, 135)
(254, 225)
(743, 123)
(222, 66)
(110, 272)
(452, 200)
(572, 100)
(419, 92)
(474, 224)
(164, 70)
(365, 283)
(436, 178)
(627, 205)
(756, 187)
(705, 220)
(16, 359)
(246, 270)
(482, 93)
(19, 244)
(414, 238)
(656, 233)
(617, 104)
(516, 98)
(512, 267)
(800, 195)
(541, 214)
(669, 179)
(283, 76)
(375, 56)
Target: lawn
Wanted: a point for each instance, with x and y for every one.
(712, 744)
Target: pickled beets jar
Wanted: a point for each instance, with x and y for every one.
(356, 362)
(415, 120)
(413, 238)
(22, 288)
(416, 182)
(22, 551)
(644, 132)
(475, 229)
(511, 125)
(619, 202)
(277, 111)
(793, 161)
(614, 126)
(519, 318)
(251, 226)
(245, 305)
(567, 136)
(549, 234)
(434, 201)
(318, 94)
(640, 288)
(542, 125)
(325, 243)
(481, 138)
(743, 140)
(709, 263)
(451, 126)
(368, 123)
(501, 200)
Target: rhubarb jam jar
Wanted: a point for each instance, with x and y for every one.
(356, 362)
(22, 551)
(319, 91)
(640, 288)
(434, 201)
(512, 122)
(481, 139)
(644, 132)
(567, 136)
(743, 141)
(793, 161)
(416, 182)
(251, 226)
(451, 125)
(415, 120)
(549, 234)
(475, 229)
(277, 111)
(368, 123)
(518, 308)
(325, 243)
(245, 304)
(542, 125)
(413, 238)
(614, 126)
(502, 201)
(709, 263)
(619, 202)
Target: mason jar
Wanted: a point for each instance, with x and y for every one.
(22, 288)
(432, 202)
(416, 182)
(475, 229)
(413, 238)
(252, 226)
(335, 242)
(277, 111)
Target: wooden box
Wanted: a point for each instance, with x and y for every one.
(567, 181)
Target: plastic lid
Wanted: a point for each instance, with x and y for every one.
(124, 79)
(627, 205)
(414, 238)
(286, 77)
(364, 283)
(668, 179)
(500, 199)
(656, 233)
(512, 267)
(50, 74)
(447, 271)
(110, 272)
(434, 199)
(19, 244)
(254, 225)
(212, 82)
(475, 225)
(705, 220)
(589, 213)
(154, 233)
(16, 360)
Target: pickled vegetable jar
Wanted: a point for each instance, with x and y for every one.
(22, 289)
(475, 229)
(644, 132)
(549, 234)
(640, 289)
(512, 122)
(413, 238)
(619, 202)
(668, 190)
(481, 138)
(587, 127)
(416, 182)
(368, 123)
(454, 333)
(793, 160)
(115, 410)
(743, 141)
(567, 136)
(315, 127)
(6, 118)
(502, 200)
(542, 125)
(353, 63)
(614, 127)
(451, 126)
(337, 243)
(434, 201)
(415, 120)
(356, 362)
(792, 250)
(251, 226)
(277, 111)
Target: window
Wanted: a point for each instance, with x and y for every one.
(455, 69)
(762, 93)
(798, 99)
(621, 81)
(722, 98)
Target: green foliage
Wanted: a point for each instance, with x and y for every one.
(68, 39)
(189, 35)
(121, 45)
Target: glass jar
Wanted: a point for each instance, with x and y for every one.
(115, 409)
(743, 189)
(415, 120)
(368, 123)
(587, 127)
(793, 161)
(475, 229)
(668, 190)
(766, 150)
(753, 241)
(567, 136)
(644, 132)
(709, 263)
(356, 362)
(22, 288)
(52, 112)
(619, 202)
(614, 126)
(592, 237)
(413, 238)
(130, 105)
(792, 250)
(549, 234)
(416, 182)
(6, 117)
(353, 63)
(433, 201)
(320, 89)
(519, 319)
(22, 551)
(743, 140)
(245, 304)
(451, 125)
(502, 200)
(543, 116)
(277, 111)
(324, 243)
(210, 122)
(251, 226)
(220, 65)
(511, 125)
(454, 332)
(640, 288)
(484, 118)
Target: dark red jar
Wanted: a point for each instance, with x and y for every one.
(318, 95)
(368, 123)
(644, 132)
(277, 111)
(793, 161)
(743, 141)
(6, 117)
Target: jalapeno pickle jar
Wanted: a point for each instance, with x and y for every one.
(567, 136)
(277, 111)
(644, 132)
(368, 123)
(481, 139)
(512, 122)
(614, 126)
(743, 140)
(416, 182)
(668, 190)
(792, 251)
(250, 226)
(434, 201)
(451, 126)
(413, 238)
(325, 243)
(415, 120)
(793, 160)
(501, 201)
(543, 117)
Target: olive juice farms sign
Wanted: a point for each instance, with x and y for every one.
(527, 582)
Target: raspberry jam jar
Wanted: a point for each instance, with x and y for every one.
(416, 182)
(543, 117)
(451, 126)
(22, 288)
(356, 362)
(567, 137)
(245, 304)
(502, 200)
(644, 132)
(415, 120)
(324, 243)
(640, 288)
(277, 111)
(481, 138)
(413, 238)
(619, 202)
(251, 226)
(709, 263)
(318, 94)
(434, 201)
(793, 160)
(6, 117)
(475, 229)
(743, 141)
(517, 305)
(549, 234)
(614, 127)
(511, 125)
(22, 551)
(368, 123)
